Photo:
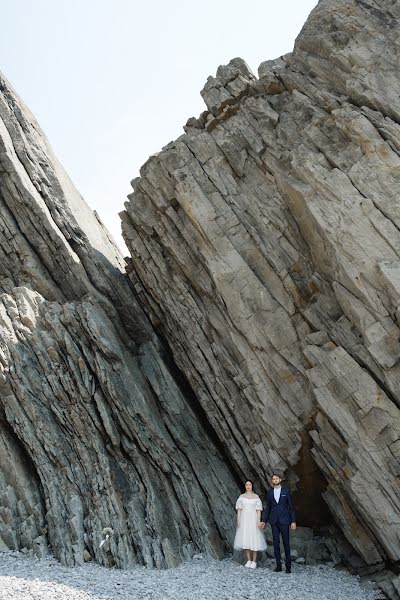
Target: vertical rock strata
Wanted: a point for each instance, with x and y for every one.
(96, 429)
(265, 247)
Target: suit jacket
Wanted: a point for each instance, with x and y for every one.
(281, 512)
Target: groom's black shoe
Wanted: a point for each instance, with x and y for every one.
(288, 570)
(278, 569)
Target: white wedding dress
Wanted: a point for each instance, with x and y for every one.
(248, 535)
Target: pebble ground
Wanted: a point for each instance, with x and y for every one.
(23, 578)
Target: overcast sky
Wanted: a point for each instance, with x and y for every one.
(112, 81)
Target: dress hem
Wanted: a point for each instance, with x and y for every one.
(252, 549)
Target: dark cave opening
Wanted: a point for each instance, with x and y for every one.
(311, 509)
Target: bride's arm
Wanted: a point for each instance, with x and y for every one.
(259, 510)
(239, 506)
(239, 510)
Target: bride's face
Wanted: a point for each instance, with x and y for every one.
(248, 486)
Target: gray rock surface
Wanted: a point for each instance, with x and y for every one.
(265, 246)
(255, 327)
(97, 427)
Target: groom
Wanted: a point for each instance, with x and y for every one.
(279, 511)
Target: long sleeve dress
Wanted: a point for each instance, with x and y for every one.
(248, 535)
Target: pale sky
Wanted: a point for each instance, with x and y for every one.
(112, 81)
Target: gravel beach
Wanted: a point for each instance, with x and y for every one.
(23, 578)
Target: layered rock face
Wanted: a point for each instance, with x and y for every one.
(257, 329)
(97, 427)
(265, 247)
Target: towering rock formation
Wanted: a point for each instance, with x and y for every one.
(97, 427)
(257, 328)
(265, 247)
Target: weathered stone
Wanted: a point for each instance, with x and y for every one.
(273, 270)
(97, 427)
(269, 80)
(300, 540)
(317, 552)
(256, 328)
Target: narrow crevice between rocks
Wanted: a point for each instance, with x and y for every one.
(188, 392)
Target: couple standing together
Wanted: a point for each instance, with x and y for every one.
(252, 517)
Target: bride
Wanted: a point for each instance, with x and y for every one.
(248, 535)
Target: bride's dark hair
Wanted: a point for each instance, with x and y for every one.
(252, 485)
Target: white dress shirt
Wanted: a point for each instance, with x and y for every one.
(277, 493)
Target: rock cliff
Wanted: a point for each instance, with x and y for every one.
(254, 328)
(98, 429)
(265, 247)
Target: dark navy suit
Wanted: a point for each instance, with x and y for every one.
(280, 515)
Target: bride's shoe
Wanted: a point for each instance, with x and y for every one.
(248, 564)
(253, 565)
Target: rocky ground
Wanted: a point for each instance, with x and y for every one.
(23, 578)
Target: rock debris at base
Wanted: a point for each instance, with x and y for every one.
(23, 578)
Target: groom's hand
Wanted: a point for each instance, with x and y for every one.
(261, 525)
(293, 526)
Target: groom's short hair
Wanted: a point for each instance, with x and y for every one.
(276, 475)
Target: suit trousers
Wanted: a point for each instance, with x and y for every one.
(279, 530)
